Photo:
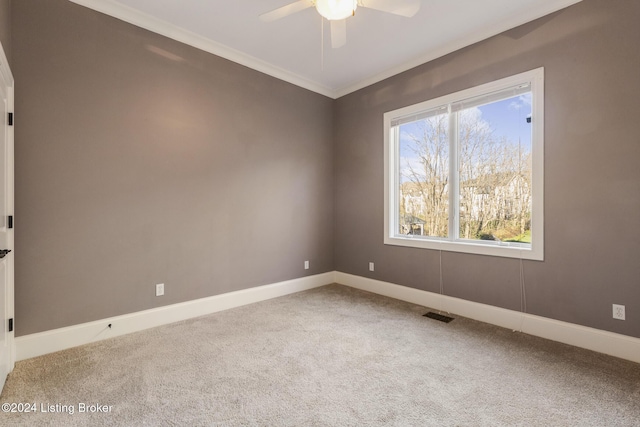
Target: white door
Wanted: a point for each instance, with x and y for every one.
(7, 355)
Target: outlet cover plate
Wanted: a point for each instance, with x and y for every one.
(159, 289)
(618, 312)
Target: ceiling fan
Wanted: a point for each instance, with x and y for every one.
(337, 11)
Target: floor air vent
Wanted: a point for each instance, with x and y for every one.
(440, 317)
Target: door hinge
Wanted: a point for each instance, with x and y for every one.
(10, 221)
(10, 119)
(11, 325)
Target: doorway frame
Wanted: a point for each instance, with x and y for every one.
(7, 76)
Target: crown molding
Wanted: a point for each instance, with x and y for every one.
(448, 48)
(132, 16)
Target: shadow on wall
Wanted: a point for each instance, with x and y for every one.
(437, 77)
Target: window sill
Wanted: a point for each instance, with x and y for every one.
(506, 250)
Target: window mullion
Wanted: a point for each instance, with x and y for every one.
(454, 190)
(397, 180)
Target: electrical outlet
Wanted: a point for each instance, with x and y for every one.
(306, 265)
(618, 311)
(159, 289)
(371, 267)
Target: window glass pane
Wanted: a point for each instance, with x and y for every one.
(423, 193)
(495, 175)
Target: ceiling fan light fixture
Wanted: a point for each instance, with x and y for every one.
(335, 10)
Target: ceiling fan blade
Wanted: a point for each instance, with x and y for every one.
(338, 33)
(287, 10)
(406, 8)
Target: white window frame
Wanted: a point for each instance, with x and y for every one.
(534, 251)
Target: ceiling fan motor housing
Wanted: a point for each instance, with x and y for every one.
(335, 10)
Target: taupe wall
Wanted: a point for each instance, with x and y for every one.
(140, 160)
(592, 178)
(5, 28)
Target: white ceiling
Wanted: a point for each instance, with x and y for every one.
(379, 44)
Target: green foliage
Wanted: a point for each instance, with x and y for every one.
(522, 238)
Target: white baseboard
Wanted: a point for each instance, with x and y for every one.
(33, 345)
(610, 343)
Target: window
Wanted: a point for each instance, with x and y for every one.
(464, 172)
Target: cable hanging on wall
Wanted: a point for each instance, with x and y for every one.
(441, 286)
(523, 295)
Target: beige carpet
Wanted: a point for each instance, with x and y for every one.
(332, 356)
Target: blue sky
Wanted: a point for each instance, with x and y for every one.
(507, 118)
